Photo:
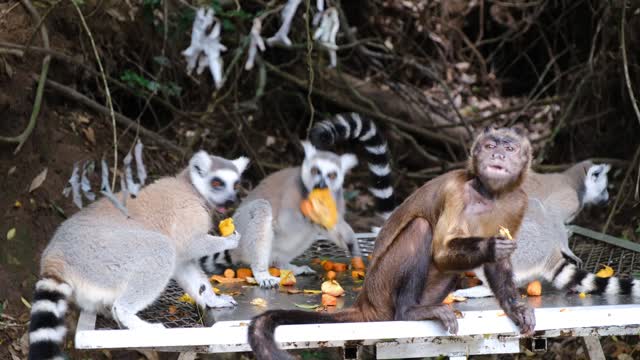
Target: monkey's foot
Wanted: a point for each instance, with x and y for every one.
(220, 301)
(300, 270)
(523, 316)
(265, 280)
(474, 292)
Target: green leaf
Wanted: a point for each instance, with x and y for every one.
(11, 233)
(228, 25)
(306, 306)
(161, 60)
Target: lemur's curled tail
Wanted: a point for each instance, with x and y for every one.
(263, 326)
(351, 127)
(47, 328)
(568, 276)
(216, 263)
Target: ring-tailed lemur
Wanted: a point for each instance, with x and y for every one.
(543, 244)
(116, 265)
(274, 231)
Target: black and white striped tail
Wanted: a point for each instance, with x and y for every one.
(353, 127)
(216, 263)
(47, 328)
(567, 276)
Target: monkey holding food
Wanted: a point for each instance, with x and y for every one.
(449, 225)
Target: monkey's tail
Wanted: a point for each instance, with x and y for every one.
(351, 127)
(216, 263)
(567, 276)
(263, 326)
(47, 328)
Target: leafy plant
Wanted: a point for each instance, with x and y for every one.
(135, 80)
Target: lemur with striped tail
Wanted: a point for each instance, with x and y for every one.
(115, 264)
(543, 244)
(274, 230)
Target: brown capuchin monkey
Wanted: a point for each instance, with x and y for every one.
(447, 226)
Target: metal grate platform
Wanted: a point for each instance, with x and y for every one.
(593, 253)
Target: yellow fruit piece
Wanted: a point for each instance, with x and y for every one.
(606, 272)
(321, 208)
(582, 295)
(186, 298)
(332, 288)
(259, 302)
(226, 227)
(505, 232)
(287, 278)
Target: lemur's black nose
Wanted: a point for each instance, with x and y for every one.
(229, 203)
(321, 185)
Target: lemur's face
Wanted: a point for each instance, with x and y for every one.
(324, 169)
(595, 185)
(217, 179)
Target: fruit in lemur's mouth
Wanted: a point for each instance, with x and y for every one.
(320, 207)
(226, 227)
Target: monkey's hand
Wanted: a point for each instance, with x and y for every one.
(500, 248)
(523, 316)
(439, 312)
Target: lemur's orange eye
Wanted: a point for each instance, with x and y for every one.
(332, 175)
(216, 183)
(315, 171)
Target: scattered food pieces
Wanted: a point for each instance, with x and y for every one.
(505, 232)
(534, 288)
(307, 291)
(450, 299)
(187, 299)
(327, 265)
(331, 275)
(294, 291)
(307, 306)
(564, 310)
(287, 278)
(357, 263)
(315, 261)
(470, 274)
(605, 272)
(274, 271)
(332, 288)
(172, 309)
(501, 313)
(251, 280)
(229, 274)
(243, 273)
(226, 227)
(357, 274)
(224, 280)
(582, 295)
(339, 267)
(328, 300)
(259, 302)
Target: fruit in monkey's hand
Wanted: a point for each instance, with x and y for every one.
(226, 227)
(320, 207)
(505, 232)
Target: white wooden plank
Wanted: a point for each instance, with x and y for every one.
(453, 346)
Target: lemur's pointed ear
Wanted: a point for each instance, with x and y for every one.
(309, 149)
(347, 162)
(241, 163)
(200, 163)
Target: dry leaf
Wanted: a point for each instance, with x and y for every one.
(11, 233)
(90, 135)
(38, 180)
(25, 302)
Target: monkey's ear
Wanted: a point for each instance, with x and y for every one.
(241, 163)
(309, 149)
(520, 130)
(347, 162)
(200, 163)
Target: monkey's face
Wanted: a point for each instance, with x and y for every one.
(595, 185)
(324, 169)
(217, 179)
(500, 158)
